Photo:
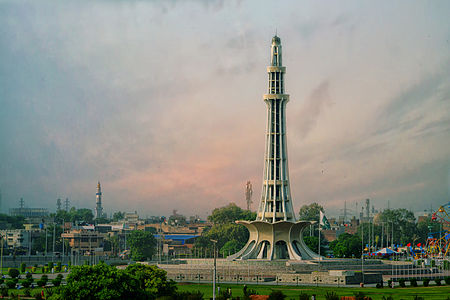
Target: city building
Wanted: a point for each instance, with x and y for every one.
(84, 242)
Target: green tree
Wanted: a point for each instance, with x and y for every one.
(313, 243)
(117, 216)
(100, 282)
(222, 233)
(11, 222)
(230, 247)
(142, 244)
(424, 228)
(403, 222)
(310, 212)
(230, 214)
(152, 279)
(347, 245)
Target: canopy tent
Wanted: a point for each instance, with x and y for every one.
(386, 251)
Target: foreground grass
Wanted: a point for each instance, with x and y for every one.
(292, 292)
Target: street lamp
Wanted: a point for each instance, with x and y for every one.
(214, 274)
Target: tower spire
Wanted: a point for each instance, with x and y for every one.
(276, 202)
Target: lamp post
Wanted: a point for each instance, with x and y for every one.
(215, 268)
(1, 258)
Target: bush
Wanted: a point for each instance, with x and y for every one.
(33, 269)
(2, 280)
(41, 283)
(28, 275)
(50, 265)
(331, 296)
(13, 273)
(402, 282)
(379, 285)
(413, 282)
(426, 282)
(277, 295)
(58, 267)
(38, 295)
(56, 281)
(438, 281)
(389, 282)
(447, 280)
(27, 292)
(23, 267)
(303, 296)
(27, 282)
(4, 292)
(11, 284)
(359, 295)
(189, 295)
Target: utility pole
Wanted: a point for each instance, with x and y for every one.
(215, 270)
(248, 194)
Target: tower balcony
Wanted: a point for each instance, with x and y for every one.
(280, 97)
(271, 69)
(276, 182)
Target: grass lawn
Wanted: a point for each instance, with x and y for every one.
(292, 292)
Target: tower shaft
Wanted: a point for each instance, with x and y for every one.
(276, 202)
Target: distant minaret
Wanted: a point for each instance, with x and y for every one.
(98, 207)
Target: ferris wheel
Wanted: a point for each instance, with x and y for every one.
(438, 243)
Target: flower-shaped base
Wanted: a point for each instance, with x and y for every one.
(279, 240)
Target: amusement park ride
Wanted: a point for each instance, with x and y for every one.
(438, 243)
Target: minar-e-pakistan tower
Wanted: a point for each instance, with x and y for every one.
(275, 234)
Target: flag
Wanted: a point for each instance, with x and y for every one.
(323, 221)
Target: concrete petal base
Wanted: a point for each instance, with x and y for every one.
(279, 240)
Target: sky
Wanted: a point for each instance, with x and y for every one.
(161, 101)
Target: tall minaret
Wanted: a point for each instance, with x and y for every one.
(275, 234)
(276, 201)
(98, 207)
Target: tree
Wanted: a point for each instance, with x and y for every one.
(11, 222)
(230, 214)
(230, 247)
(100, 282)
(223, 233)
(310, 212)
(74, 215)
(152, 279)
(403, 222)
(117, 216)
(347, 245)
(424, 228)
(142, 244)
(313, 243)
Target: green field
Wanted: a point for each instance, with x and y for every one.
(292, 292)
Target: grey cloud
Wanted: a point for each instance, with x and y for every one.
(307, 117)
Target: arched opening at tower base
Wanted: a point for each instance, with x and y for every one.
(281, 250)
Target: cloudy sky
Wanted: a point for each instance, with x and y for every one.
(162, 102)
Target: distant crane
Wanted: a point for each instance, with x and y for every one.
(248, 194)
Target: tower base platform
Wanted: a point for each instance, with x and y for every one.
(272, 241)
